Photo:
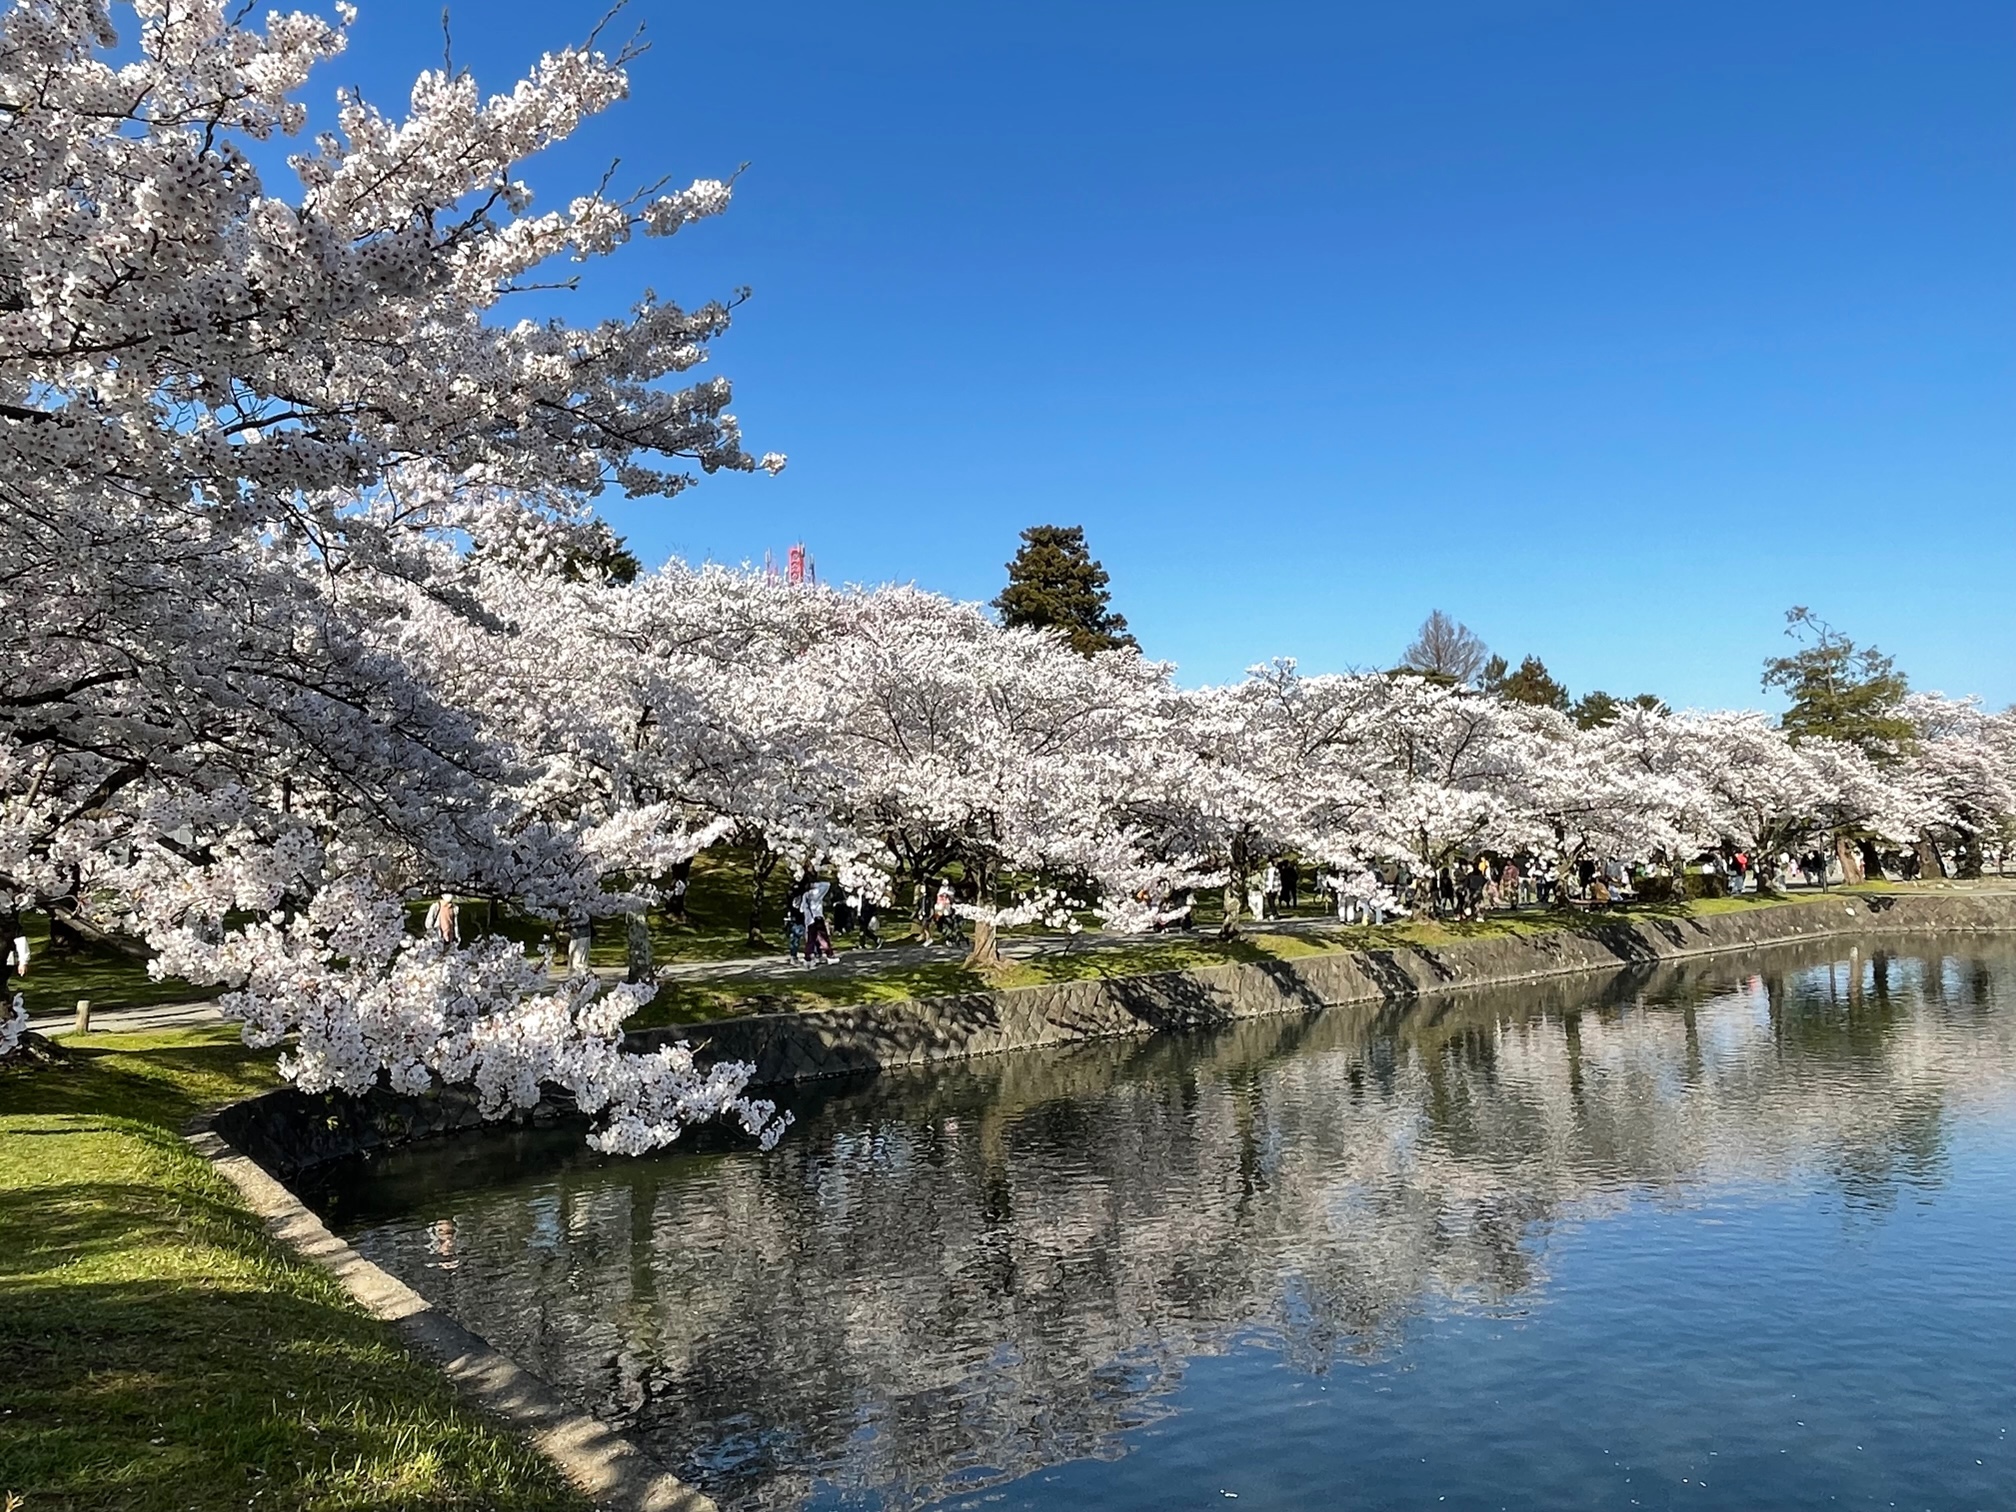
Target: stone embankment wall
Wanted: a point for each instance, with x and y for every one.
(288, 1132)
(793, 1047)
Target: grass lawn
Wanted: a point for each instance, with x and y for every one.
(54, 983)
(159, 1351)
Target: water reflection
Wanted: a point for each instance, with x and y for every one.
(947, 1281)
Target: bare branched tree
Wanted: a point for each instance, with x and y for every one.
(1444, 649)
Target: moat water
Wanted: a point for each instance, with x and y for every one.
(1739, 1235)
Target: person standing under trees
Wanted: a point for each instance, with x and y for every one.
(1291, 882)
(580, 939)
(1054, 584)
(1473, 890)
(444, 921)
(13, 941)
(818, 934)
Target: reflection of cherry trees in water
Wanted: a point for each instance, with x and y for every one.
(940, 1283)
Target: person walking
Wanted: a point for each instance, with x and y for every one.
(1473, 891)
(17, 934)
(1291, 883)
(818, 933)
(867, 923)
(794, 927)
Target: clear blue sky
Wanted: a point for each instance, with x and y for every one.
(1611, 329)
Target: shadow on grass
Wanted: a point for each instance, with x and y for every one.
(139, 1077)
(55, 982)
(152, 1395)
(159, 1352)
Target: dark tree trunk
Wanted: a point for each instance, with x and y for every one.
(637, 948)
(84, 929)
(1931, 865)
(1967, 846)
(1235, 890)
(1967, 855)
(986, 949)
(1872, 862)
(766, 862)
(63, 940)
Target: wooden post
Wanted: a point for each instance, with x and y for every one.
(83, 1015)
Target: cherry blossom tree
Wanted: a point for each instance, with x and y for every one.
(1961, 770)
(1457, 770)
(1000, 750)
(1275, 763)
(235, 427)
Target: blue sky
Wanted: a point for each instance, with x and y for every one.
(1612, 330)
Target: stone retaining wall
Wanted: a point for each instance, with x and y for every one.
(794, 1047)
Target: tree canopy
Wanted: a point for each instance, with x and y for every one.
(1528, 683)
(1445, 651)
(1840, 691)
(1054, 583)
(1595, 709)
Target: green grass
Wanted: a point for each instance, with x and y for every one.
(54, 983)
(159, 1351)
(716, 927)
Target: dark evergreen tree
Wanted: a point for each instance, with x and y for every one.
(1054, 584)
(601, 556)
(1840, 691)
(1593, 710)
(1529, 683)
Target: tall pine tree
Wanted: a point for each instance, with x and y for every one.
(1054, 584)
(1840, 691)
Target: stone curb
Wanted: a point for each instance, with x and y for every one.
(603, 1464)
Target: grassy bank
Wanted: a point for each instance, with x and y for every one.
(159, 1351)
(902, 980)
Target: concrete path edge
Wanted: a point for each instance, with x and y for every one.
(605, 1465)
